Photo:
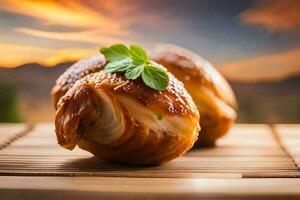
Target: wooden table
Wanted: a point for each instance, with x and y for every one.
(253, 161)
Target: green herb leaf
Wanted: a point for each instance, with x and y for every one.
(155, 77)
(118, 66)
(134, 63)
(115, 52)
(138, 54)
(133, 73)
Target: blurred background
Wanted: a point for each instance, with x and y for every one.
(254, 44)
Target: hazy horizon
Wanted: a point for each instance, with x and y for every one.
(229, 78)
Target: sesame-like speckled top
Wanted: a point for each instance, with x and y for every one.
(174, 100)
(80, 69)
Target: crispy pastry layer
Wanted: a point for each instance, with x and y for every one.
(212, 94)
(77, 71)
(123, 120)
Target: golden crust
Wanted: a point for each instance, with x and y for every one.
(143, 146)
(212, 128)
(192, 68)
(210, 91)
(139, 143)
(77, 71)
(173, 100)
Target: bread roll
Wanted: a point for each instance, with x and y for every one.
(125, 121)
(211, 93)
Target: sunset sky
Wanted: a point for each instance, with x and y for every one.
(247, 40)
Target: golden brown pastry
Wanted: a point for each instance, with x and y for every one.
(125, 121)
(77, 71)
(211, 93)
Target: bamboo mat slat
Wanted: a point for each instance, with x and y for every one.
(11, 132)
(146, 188)
(251, 162)
(248, 151)
(289, 135)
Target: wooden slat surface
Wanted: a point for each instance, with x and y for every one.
(290, 139)
(270, 155)
(10, 132)
(39, 153)
(249, 150)
(146, 188)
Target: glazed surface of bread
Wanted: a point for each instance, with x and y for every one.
(125, 121)
(77, 71)
(212, 94)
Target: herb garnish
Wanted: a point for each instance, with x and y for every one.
(134, 63)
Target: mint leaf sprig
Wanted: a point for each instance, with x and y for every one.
(134, 63)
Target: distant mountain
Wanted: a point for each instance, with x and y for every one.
(270, 102)
(33, 83)
(33, 78)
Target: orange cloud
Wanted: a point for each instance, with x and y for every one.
(263, 68)
(279, 15)
(90, 36)
(94, 22)
(93, 27)
(109, 17)
(66, 13)
(15, 55)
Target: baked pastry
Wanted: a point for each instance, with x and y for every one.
(123, 120)
(77, 71)
(211, 93)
